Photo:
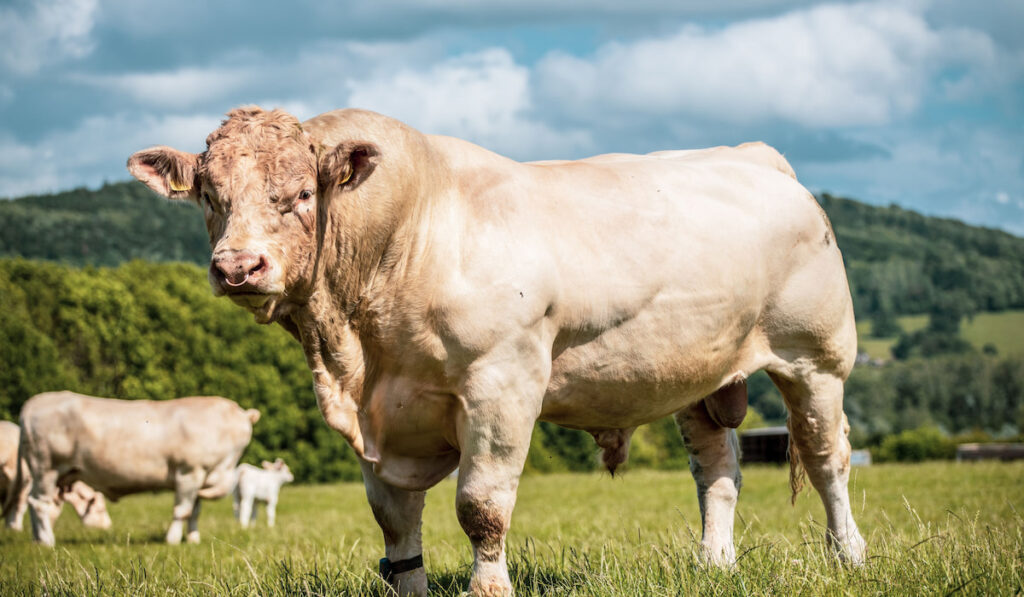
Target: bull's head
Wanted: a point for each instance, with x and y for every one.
(89, 504)
(257, 185)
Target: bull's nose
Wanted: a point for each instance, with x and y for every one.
(235, 268)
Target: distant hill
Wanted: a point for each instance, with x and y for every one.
(899, 261)
(114, 224)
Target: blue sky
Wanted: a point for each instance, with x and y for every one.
(918, 103)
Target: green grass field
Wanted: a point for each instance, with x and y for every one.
(1004, 330)
(937, 528)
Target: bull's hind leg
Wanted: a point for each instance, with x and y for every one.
(193, 522)
(399, 513)
(818, 432)
(186, 498)
(713, 452)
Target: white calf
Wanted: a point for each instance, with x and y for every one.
(259, 484)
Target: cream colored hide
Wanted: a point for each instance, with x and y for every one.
(448, 298)
(12, 489)
(259, 484)
(90, 506)
(121, 447)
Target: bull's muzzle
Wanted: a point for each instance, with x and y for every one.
(237, 269)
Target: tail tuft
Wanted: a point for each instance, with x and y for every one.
(797, 473)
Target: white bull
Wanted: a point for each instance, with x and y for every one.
(121, 447)
(448, 298)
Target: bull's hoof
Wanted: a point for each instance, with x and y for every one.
(852, 551)
(193, 537)
(719, 557)
(495, 586)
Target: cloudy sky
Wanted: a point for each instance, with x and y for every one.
(919, 103)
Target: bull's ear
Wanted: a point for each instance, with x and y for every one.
(267, 465)
(172, 173)
(346, 166)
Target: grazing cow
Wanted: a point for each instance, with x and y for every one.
(90, 506)
(121, 447)
(448, 298)
(263, 484)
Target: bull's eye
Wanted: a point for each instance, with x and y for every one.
(306, 194)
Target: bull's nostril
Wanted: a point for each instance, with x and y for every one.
(261, 264)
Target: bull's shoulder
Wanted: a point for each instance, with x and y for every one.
(46, 401)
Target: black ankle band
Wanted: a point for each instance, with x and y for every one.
(389, 569)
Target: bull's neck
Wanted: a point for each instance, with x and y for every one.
(336, 358)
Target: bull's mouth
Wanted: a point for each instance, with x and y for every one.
(249, 299)
(262, 305)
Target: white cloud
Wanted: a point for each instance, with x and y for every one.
(955, 170)
(483, 96)
(181, 88)
(37, 33)
(836, 65)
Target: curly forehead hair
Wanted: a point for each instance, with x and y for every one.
(271, 143)
(255, 123)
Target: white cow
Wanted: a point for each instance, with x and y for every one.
(447, 298)
(90, 506)
(263, 484)
(121, 447)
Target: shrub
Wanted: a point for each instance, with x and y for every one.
(916, 445)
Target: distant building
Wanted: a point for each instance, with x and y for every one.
(860, 458)
(997, 451)
(768, 444)
(771, 444)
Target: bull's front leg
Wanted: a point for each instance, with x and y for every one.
(501, 407)
(399, 513)
(44, 505)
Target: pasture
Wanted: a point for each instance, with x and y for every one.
(935, 528)
(1001, 330)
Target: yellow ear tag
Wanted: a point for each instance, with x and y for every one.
(348, 176)
(180, 186)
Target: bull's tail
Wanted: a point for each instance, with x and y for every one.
(253, 414)
(797, 473)
(15, 490)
